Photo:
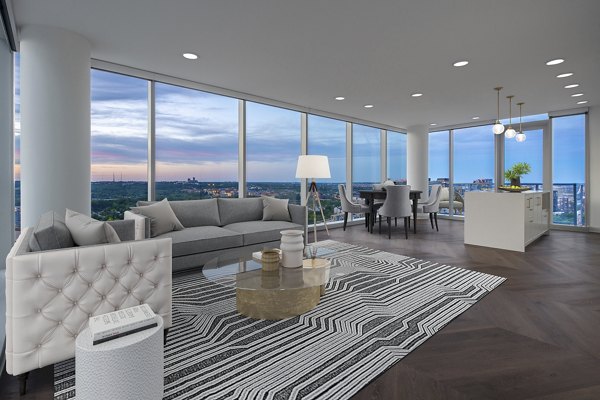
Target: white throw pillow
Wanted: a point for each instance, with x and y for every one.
(87, 231)
(275, 209)
(162, 217)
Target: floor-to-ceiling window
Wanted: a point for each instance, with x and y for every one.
(119, 143)
(272, 150)
(439, 167)
(396, 156)
(17, 131)
(473, 161)
(568, 170)
(196, 144)
(327, 137)
(366, 158)
(530, 151)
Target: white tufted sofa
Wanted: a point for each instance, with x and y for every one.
(51, 294)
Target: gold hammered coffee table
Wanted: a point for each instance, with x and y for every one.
(270, 295)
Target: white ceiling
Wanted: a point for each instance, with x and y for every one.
(379, 52)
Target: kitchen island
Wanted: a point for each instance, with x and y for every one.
(509, 221)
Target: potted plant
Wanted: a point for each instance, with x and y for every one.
(515, 173)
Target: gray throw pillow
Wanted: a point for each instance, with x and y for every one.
(162, 217)
(275, 209)
(50, 233)
(192, 213)
(87, 231)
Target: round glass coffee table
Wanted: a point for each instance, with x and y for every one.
(271, 295)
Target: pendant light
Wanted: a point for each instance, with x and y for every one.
(520, 136)
(510, 132)
(498, 127)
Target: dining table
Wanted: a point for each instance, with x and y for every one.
(371, 195)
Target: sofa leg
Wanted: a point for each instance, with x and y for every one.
(165, 333)
(23, 383)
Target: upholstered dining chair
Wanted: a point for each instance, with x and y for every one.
(350, 207)
(427, 198)
(397, 205)
(432, 207)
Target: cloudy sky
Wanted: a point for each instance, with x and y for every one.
(197, 136)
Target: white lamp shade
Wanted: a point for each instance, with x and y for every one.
(510, 133)
(520, 137)
(313, 167)
(498, 128)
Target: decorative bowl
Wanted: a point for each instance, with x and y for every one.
(514, 189)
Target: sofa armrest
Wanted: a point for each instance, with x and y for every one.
(298, 214)
(50, 295)
(142, 225)
(125, 229)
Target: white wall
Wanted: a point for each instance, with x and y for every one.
(7, 212)
(594, 152)
(55, 122)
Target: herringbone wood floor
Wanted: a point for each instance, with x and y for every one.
(535, 337)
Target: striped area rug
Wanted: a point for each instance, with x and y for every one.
(378, 308)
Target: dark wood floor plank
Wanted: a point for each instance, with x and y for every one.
(534, 337)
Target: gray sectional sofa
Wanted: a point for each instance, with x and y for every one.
(216, 227)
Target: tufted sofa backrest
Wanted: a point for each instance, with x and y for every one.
(50, 295)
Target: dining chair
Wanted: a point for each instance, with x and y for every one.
(432, 207)
(350, 207)
(427, 198)
(396, 205)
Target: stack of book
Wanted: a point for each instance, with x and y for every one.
(117, 324)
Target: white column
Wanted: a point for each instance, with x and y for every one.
(55, 122)
(417, 148)
(7, 194)
(594, 167)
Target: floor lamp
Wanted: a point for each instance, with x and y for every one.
(313, 167)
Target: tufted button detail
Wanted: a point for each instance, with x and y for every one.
(141, 274)
(89, 284)
(155, 286)
(155, 258)
(103, 297)
(59, 290)
(103, 266)
(116, 279)
(74, 270)
(129, 291)
(37, 310)
(38, 346)
(90, 315)
(59, 322)
(74, 303)
(39, 276)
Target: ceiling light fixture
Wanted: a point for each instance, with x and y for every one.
(510, 132)
(571, 86)
(582, 102)
(520, 136)
(577, 95)
(555, 61)
(475, 118)
(565, 75)
(460, 63)
(340, 98)
(190, 56)
(368, 106)
(498, 127)
(417, 94)
(432, 124)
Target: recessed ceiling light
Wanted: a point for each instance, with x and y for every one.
(577, 95)
(417, 94)
(475, 118)
(340, 98)
(574, 85)
(565, 75)
(368, 106)
(432, 124)
(555, 61)
(582, 102)
(460, 63)
(190, 56)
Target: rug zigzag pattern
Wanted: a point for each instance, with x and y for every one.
(378, 308)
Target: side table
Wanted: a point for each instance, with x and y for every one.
(129, 367)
